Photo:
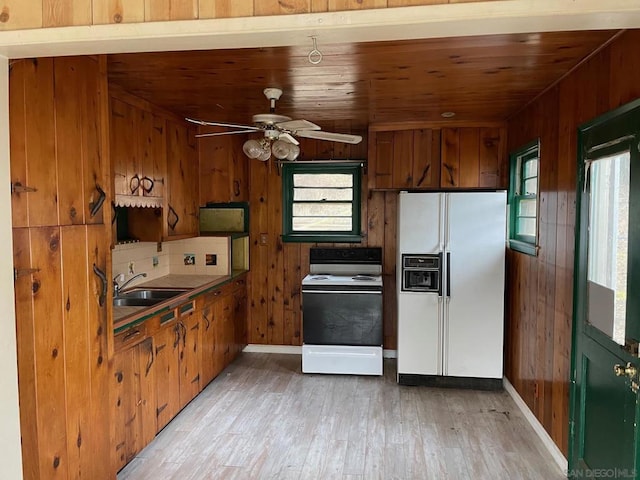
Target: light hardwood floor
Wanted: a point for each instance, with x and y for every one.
(263, 419)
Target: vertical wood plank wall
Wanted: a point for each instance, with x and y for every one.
(540, 289)
(277, 268)
(26, 14)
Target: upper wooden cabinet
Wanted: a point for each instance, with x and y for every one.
(434, 158)
(138, 150)
(183, 182)
(59, 143)
(223, 169)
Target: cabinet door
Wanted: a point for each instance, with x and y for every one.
(167, 342)
(125, 394)
(224, 330)
(183, 182)
(189, 357)
(146, 372)
(124, 154)
(240, 315)
(210, 362)
(159, 156)
(471, 157)
(57, 142)
(426, 158)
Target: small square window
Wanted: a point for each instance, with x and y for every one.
(523, 198)
(321, 202)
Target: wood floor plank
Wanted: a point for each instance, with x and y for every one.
(261, 418)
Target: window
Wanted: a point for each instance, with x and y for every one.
(321, 202)
(523, 198)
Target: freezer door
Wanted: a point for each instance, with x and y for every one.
(420, 226)
(419, 333)
(473, 325)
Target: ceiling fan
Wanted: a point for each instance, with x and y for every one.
(279, 129)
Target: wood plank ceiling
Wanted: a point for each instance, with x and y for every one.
(478, 78)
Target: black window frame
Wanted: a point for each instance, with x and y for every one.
(311, 167)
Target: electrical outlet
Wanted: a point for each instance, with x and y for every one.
(132, 268)
(264, 238)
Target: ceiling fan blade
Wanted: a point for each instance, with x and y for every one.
(330, 136)
(217, 134)
(296, 125)
(289, 138)
(219, 124)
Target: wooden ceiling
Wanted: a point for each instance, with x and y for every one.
(479, 78)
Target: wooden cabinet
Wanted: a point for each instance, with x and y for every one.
(239, 315)
(167, 345)
(138, 150)
(211, 355)
(61, 258)
(133, 394)
(224, 169)
(58, 135)
(183, 181)
(434, 158)
(188, 353)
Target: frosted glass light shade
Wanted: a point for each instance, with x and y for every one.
(252, 148)
(294, 151)
(281, 149)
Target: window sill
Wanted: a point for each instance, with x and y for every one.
(320, 238)
(523, 247)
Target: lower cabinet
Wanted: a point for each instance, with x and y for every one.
(133, 398)
(167, 344)
(160, 365)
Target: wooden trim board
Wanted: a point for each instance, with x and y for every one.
(537, 426)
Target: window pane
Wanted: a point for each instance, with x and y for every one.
(527, 207)
(530, 169)
(327, 224)
(338, 180)
(322, 210)
(322, 194)
(531, 186)
(526, 226)
(607, 255)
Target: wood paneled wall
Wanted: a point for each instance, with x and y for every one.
(277, 268)
(24, 14)
(540, 289)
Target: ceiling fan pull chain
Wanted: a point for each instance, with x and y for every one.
(315, 55)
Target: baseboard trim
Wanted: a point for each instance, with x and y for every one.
(296, 350)
(537, 426)
(288, 349)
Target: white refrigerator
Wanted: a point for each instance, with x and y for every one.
(453, 336)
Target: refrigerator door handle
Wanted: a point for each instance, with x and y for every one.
(449, 274)
(440, 279)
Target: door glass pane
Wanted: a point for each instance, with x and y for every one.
(608, 245)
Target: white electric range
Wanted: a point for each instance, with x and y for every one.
(342, 312)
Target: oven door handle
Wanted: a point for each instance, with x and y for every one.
(371, 292)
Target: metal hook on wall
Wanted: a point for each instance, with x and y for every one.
(315, 55)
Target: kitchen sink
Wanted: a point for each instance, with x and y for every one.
(152, 293)
(143, 297)
(135, 302)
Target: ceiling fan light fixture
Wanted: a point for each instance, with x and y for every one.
(294, 151)
(281, 149)
(252, 148)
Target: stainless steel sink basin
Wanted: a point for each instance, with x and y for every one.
(135, 302)
(152, 293)
(144, 297)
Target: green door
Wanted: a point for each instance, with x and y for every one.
(604, 410)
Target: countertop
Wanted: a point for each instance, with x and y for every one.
(125, 317)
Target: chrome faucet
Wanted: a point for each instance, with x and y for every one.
(117, 288)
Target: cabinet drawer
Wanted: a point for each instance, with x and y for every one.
(130, 337)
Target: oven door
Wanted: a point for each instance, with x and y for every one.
(334, 316)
